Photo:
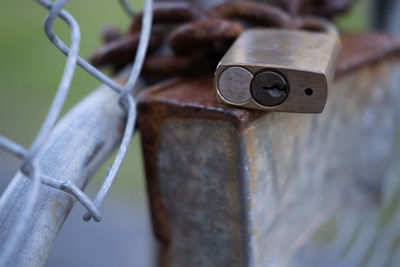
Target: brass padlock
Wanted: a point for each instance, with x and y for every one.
(280, 70)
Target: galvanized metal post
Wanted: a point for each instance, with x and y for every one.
(236, 187)
(386, 15)
(77, 147)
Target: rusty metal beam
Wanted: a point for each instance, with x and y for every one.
(237, 187)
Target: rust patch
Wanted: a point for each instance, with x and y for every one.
(253, 186)
(121, 51)
(326, 9)
(263, 13)
(193, 97)
(170, 12)
(159, 66)
(150, 131)
(204, 33)
(250, 155)
(361, 49)
(54, 210)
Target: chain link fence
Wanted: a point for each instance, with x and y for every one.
(30, 167)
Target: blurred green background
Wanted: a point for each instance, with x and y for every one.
(31, 67)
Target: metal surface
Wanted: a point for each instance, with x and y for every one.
(203, 33)
(14, 229)
(386, 15)
(75, 149)
(234, 84)
(239, 187)
(171, 12)
(304, 59)
(325, 8)
(269, 88)
(263, 13)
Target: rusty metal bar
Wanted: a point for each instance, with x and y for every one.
(237, 187)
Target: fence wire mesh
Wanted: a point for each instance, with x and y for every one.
(29, 166)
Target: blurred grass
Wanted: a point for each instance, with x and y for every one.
(31, 67)
(355, 19)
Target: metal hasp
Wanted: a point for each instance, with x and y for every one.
(239, 187)
(294, 62)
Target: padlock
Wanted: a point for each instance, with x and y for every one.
(279, 69)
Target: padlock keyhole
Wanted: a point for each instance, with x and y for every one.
(269, 88)
(275, 90)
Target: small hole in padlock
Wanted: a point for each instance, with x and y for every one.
(308, 91)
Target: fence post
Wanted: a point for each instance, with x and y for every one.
(236, 187)
(386, 15)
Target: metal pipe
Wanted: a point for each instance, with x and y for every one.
(76, 148)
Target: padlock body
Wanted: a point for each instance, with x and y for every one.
(306, 61)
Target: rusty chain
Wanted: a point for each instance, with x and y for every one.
(195, 38)
(323, 8)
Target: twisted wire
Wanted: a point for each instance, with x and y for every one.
(128, 8)
(30, 167)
